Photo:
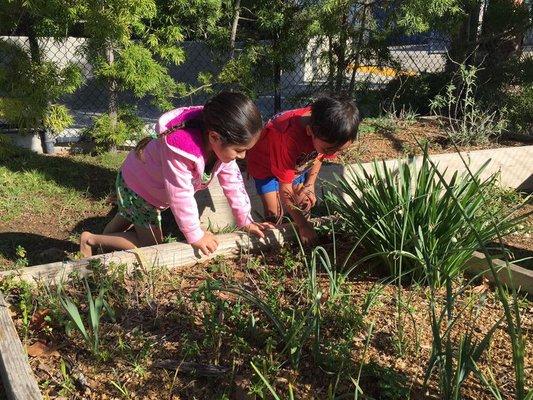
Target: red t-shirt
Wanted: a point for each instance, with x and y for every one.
(284, 149)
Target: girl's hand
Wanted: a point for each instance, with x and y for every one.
(207, 244)
(258, 228)
(307, 234)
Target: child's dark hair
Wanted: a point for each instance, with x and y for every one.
(335, 119)
(232, 115)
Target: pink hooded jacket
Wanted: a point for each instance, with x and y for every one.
(171, 171)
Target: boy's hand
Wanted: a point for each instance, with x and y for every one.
(207, 244)
(307, 234)
(258, 228)
(306, 197)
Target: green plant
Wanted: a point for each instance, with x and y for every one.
(122, 389)
(269, 386)
(386, 383)
(67, 383)
(57, 118)
(520, 108)
(96, 308)
(32, 85)
(108, 133)
(408, 218)
(22, 260)
(415, 92)
(21, 296)
(294, 329)
(511, 309)
(464, 119)
(453, 362)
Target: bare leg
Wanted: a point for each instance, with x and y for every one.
(117, 224)
(117, 241)
(149, 236)
(272, 206)
(121, 240)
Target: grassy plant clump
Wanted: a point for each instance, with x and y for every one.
(408, 212)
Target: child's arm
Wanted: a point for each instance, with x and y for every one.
(288, 200)
(230, 179)
(307, 195)
(178, 184)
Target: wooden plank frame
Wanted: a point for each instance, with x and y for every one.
(17, 376)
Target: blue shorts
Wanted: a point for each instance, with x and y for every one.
(271, 184)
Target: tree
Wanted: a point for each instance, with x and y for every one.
(130, 48)
(32, 85)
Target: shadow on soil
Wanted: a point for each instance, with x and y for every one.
(39, 249)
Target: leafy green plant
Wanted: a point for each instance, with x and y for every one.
(22, 260)
(409, 220)
(108, 133)
(96, 308)
(32, 85)
(463, 117)
(520, 108)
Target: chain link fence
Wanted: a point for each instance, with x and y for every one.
(412, 55)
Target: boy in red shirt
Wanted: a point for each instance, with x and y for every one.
(287, 158)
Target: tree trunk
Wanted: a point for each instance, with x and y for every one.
(112, 88)
(342, 62)
(277, 87)
(331, 64)
(35, 52)
(357, 55)
(234, 26)
(464, 41)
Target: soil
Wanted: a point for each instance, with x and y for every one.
(159, 320)
(405, 139)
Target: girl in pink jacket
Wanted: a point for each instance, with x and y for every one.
(194, 145)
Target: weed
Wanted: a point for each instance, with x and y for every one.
(67, 383)
(22, 261)
(96, 308)
(464, 119)
(122, 389)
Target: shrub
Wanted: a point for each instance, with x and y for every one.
(108, 134)
(520, 109)
(414, 92)
(464, 119)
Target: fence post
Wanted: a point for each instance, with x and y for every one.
(277, 88)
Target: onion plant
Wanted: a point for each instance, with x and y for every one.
(408, 218)
(96, 308)
(426, 226)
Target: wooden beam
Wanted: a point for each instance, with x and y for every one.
(168, 255)
(17, 376)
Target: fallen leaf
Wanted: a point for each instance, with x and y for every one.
(40, 349)
(37, 320)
